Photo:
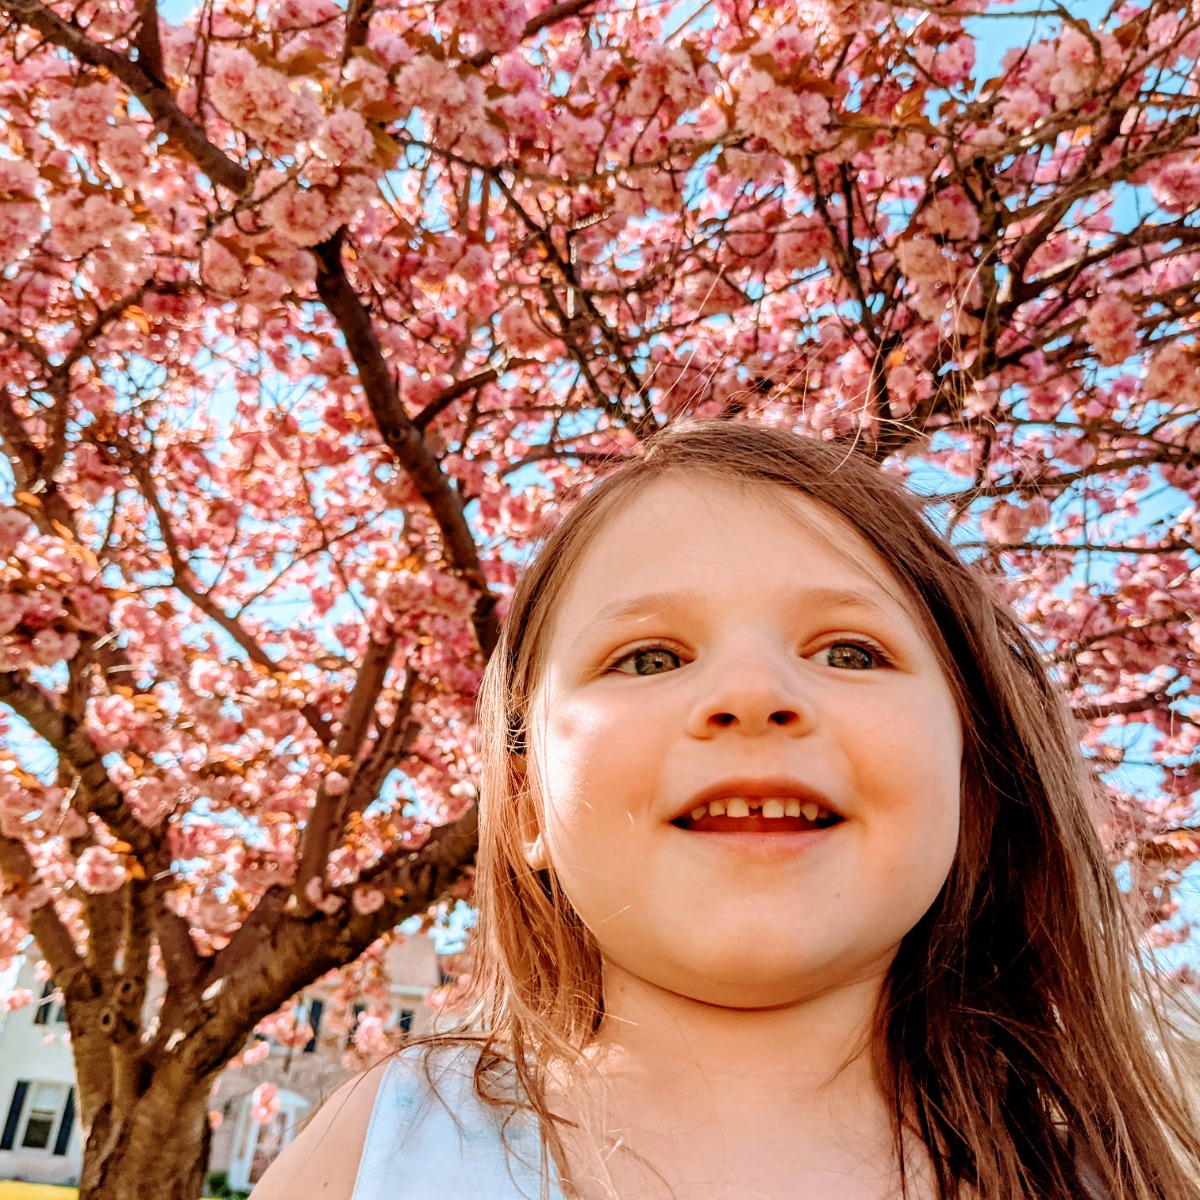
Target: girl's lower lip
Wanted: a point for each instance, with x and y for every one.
(762, 845)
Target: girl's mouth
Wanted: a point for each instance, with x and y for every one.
(754, 814)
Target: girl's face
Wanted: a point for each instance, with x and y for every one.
(712, 644)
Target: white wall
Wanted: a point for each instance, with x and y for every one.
(36, 1054)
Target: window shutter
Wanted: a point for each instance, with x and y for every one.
(64, 1130)
(42, 1015)
(315, 1009)
(14, 1115)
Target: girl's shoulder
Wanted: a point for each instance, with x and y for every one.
(411, 1128)
(322, 1160)
(432, 1134)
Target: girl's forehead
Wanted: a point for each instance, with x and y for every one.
(706, 524)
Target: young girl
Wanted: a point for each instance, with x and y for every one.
(787, 883)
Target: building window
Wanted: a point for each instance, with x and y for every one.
(357, 1012)
(315, 1009)
(46, 1005)
(40, 1117)
(405, 1019)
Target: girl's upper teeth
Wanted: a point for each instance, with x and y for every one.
(768, 806)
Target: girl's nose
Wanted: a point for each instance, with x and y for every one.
(754, 694)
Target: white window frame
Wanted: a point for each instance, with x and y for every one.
(23, 1124)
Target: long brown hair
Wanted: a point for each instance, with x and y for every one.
(1020, 1031)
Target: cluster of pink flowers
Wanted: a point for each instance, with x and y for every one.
(82, 224)
(498, 24)
(264, 1103)
(790, 121)
(1174, 375)
(99, 870)
(85, 114)
(1112, 327)
(260, 101)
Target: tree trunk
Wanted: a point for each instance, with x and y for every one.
(154, 1147)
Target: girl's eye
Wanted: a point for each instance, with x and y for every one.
(649, 660)
(853, 656)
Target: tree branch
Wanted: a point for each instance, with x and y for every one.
(1121, 708)
(402, 437)
(53, 938)
(550, 16)
(155, 97)
(253, 980)
(323, 824)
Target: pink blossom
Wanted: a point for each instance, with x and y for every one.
(92, 608)
(517, 328)
(1176, 185)
(923, 261)
(801, 250)
(14, 525)
(19, 180)
(17, 999)
(297, 267)
(303, 14)
(949, 64)
(1021, 108)
(952, 215)
(336, 784)
(787, 48)
(81, 225)
(19, 228)
(791, 122)
(50, 647)
(99, 870)
(123, 151)
(369, 78)
(370, 1037)
(259, 100)
(257, 1053)
(474, 264)
(430, 85)
(664, 81)
(1112, 327)
(577, 139)
(264, 1103)
(498, 24)
(82, 114)
(1174, 374)
(1005, 522)
(266, 288)
(344, 138)
(367, 900)
(298, 215)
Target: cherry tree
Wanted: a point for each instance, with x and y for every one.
(308, 312)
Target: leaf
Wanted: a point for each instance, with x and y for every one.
(305, 62)
(28, 498)
(138, 316)
(389, 150)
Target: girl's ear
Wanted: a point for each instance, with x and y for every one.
(533, 845)
(535, 854)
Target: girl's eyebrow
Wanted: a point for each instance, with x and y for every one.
(655, 603)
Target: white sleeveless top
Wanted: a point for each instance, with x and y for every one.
(444, 1143)
(447, 1144)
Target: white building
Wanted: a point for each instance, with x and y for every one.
(39, 1133)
